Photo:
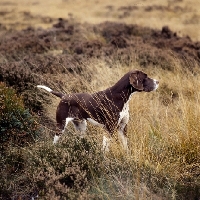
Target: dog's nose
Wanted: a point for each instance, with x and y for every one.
(157, 82)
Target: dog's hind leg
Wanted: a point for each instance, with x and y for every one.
(62, 127)
(80, 126)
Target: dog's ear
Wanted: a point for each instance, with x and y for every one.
(136, 79)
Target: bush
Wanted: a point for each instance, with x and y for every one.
(17, 125)
(64, 171)
(19, 76)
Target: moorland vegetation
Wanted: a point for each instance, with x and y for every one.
(163, 161)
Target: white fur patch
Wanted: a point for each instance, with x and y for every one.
(69, 119)
(124, 114)
(156, 84)
(45, 88)
(81, 126)
(56, 138)
(123, 139)
(92, 121)
(106, 143)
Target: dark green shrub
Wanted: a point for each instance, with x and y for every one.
(17, 125)
(19, 76)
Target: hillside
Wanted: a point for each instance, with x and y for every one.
(64, 46)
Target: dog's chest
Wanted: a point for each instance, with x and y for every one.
(125, 111)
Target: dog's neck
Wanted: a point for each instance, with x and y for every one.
(117, 95)
(120, 92)
(128, 92)
(124, 91)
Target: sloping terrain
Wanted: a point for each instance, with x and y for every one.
(67, 50)
(28, 54)
(66, 47)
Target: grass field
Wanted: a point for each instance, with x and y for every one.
(163, 158)
(163, 161)
(181, 15)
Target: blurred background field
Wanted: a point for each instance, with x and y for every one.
(183, 16)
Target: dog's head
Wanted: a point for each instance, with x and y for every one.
(141, 82)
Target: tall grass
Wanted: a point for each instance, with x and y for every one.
(163, 136)
(163, 161)
(164, 130)
(163, 133)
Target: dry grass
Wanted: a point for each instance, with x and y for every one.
(163, 132)
(164, 128)
(163, 158)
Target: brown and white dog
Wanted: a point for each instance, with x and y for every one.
(108, 108)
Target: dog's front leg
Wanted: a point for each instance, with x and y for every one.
(123, 139)
(106, 144)
(122, 131)
(56, 138)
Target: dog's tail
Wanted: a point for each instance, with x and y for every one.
(58, 94)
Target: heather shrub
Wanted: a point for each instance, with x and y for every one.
(17, 125)
(19, 76)
(12, 179)
(65, 170)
